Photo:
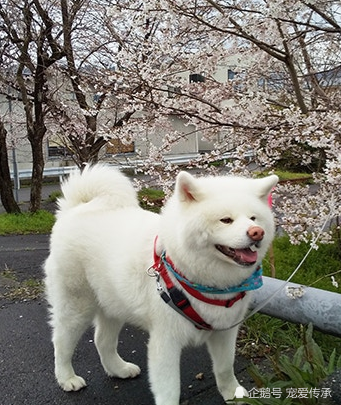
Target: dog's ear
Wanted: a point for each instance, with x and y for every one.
(265, 185)
(186, 187)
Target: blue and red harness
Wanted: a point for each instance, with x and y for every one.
(177, 299)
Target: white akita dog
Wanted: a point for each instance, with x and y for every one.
(184, 275)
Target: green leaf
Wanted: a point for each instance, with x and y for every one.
(313, 351)
(299, 356)
(338, 363)
(259, 379)
(331, 364)
(293, 372)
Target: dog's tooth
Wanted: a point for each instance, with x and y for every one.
(253, 248)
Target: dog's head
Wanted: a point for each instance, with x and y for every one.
(225, 220)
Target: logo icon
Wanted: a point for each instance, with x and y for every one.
(239, 392)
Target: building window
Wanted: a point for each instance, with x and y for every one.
(230, 74)
(196, 78)
(273, 82)
(57, 151)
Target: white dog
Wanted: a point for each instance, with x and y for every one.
(184, 275)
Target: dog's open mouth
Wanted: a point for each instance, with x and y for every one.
(245, 257)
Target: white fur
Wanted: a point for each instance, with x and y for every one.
(101, 247)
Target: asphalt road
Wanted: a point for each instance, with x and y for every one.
(26, 353)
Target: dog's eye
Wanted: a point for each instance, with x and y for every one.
(253, 218)
(226, 220)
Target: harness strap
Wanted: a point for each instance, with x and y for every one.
(176, 299)
(196, 294)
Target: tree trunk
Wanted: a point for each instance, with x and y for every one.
(296, 85)
(36, 134)
(6, 191)
(37, 173)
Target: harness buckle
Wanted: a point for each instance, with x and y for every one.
(152, 272)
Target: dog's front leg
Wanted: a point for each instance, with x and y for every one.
(164, 367)
(221, 346)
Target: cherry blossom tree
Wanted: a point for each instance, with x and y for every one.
(284, 100)
(294, 51)
(83, 101)
(31, 48)
(127, 65)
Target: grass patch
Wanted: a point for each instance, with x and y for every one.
(151, 199)
(25, 223)
(316, 271)
(8, 274)
(287, 176)
(42, 221)
(54, 196)
(302, 370)
(262, 335)
(12, 289)
(27, 290)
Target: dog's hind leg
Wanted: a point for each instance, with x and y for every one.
(106, 339)
(221, 346)
(67, 330)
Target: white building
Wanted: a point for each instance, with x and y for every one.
(56, 155)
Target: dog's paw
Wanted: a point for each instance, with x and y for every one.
(74, 383)
(129, 370)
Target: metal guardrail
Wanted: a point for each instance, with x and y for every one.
(128, 163)
(48, 172)
(185, 159)
(300, 304)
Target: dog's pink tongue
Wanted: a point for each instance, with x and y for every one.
(246, 255)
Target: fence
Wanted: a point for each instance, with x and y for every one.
(300, 304)
(126, 163)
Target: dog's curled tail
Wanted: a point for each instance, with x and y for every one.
(105, 186)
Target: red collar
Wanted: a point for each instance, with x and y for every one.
(178, 300)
